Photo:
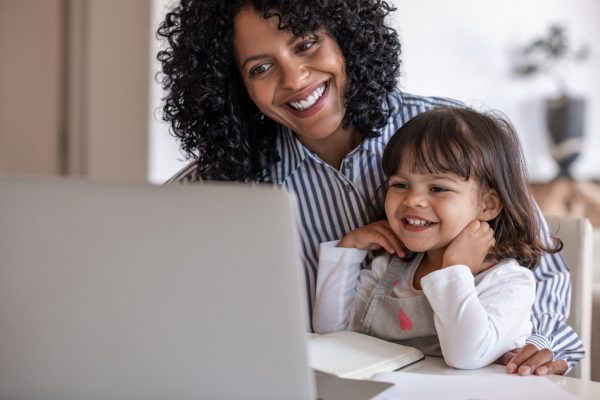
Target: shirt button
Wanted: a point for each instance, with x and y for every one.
(349, 188)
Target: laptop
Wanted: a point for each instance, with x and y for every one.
(133, 291)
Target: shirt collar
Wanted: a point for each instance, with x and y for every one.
(292, 153)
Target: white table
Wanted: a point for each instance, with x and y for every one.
(433, 365)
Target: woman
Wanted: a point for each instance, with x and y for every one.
(302, 95)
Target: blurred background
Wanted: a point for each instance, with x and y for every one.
(78, 95)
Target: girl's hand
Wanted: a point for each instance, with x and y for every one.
(374, 236)
(470, 247)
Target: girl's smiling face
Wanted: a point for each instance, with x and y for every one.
(428, 210)
(299, 82)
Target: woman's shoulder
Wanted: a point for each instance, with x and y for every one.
(403, 99)
(405, 106)
(187, 174)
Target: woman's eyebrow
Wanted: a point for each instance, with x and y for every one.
(290, 42)
(253, 58)
(293, 39)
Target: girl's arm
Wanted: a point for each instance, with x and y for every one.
(337, 279)
(477, 324)
(343, 288)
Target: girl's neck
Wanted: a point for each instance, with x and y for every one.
(431, 261)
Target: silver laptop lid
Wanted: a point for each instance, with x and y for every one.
(144, 292)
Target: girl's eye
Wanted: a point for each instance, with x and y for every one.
(438, 189)
(262, 68)
(398, 185)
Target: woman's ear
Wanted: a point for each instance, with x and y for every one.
(492, 205)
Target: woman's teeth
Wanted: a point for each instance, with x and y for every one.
(417, 222)
(302, 105)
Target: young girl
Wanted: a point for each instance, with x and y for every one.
(456, 197)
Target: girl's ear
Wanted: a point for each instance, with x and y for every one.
(492, 205)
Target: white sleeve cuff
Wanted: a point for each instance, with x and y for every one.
(329, 251)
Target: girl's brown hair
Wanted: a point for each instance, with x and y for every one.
(484, 146)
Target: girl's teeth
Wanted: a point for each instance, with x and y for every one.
(416, 222)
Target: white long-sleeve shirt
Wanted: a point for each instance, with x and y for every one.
(477, 318)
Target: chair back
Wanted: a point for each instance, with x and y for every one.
(577, 236)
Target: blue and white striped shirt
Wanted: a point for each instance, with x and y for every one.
(333, 202)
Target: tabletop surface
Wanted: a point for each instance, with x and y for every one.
(581, 389)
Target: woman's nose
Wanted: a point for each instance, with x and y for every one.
(293, 74)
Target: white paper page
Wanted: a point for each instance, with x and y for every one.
(474, 387)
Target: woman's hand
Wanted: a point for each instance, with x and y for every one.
(374, 236)
(528, 360)
(470, 247)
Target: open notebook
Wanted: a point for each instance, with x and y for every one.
(353, 355)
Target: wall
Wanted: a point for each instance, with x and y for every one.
(164, 156)
(463, 49)
(31, 86)
(109, 100)
(74, 88)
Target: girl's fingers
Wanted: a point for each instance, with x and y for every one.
(396, 246)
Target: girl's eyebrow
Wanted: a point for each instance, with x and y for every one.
(445, 177)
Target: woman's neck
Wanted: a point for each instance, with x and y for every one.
(334, 147)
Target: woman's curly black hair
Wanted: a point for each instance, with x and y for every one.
(207, 104)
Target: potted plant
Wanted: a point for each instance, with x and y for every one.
(552, 54)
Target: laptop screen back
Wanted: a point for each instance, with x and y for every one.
(138, 291)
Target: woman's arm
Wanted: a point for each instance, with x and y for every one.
(477, 324)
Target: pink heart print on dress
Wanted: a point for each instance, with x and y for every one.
(405, 322)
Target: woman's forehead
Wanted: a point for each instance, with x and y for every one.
(253, 34)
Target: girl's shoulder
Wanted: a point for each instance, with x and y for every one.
(505, 270)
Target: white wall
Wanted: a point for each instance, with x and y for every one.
(462, 49)
(164, 156)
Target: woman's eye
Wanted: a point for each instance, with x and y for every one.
(438, 189)
(259, 69)
(305, 46)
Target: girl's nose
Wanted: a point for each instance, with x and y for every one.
(415, 199)
(293, 74)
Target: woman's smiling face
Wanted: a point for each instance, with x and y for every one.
(299, 82)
